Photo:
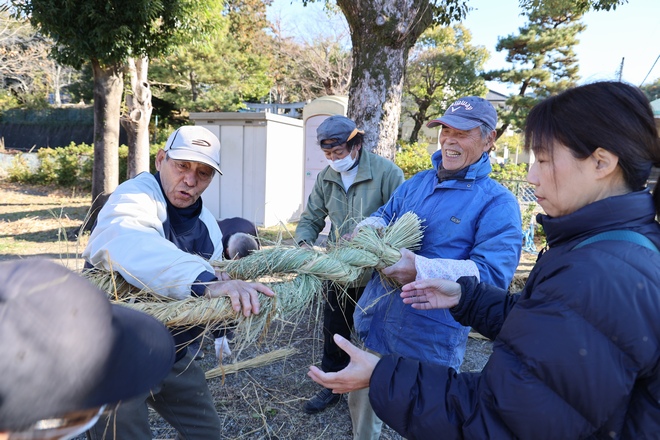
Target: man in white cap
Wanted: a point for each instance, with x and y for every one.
(156, 233)
(472, 227)
(67, 353)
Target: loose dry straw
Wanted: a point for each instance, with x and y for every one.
(257, 361)
(302, 271)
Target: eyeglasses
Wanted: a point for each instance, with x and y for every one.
(63, 427)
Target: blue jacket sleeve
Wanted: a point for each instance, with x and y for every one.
(498, 241)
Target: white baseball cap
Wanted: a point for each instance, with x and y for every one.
(194, 144)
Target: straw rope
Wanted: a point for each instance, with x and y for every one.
(299, 274)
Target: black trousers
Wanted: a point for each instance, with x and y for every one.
(337, 319)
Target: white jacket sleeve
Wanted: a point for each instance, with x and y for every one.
(373, 222)
(444, 268)
(129, 238)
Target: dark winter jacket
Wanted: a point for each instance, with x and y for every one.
(576, 354)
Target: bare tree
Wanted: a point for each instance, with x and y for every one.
(27, 68)
(136, 119)
(317, 64)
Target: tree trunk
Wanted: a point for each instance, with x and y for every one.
(57, 87)
(419, 117)
(414, 134)
(108, 88)
(514, 108)
(193, 85)
(136, 122)
(382, 33)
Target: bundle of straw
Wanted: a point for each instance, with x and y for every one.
(300, 273)
(257, 361)
(343, 263)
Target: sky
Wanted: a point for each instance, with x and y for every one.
(630, 33)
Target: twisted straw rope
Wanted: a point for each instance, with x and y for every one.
(343, 263)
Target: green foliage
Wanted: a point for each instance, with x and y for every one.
(20, 170)
(69, 166)
(34, 100)
(542, 56)
(442, 66)
(509, 171)
(66, 166)
(412, 158)
(231, 67)
(82, 89)
(7, 101)
(111, 31)
(578, 5)
(527, 213)
(512, 142)
(447, 11)
(652, 91)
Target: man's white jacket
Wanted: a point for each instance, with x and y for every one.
(129, 238)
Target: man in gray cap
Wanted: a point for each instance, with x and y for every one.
(353, 185)
(472, 226)
(67, 353)
(156, 233)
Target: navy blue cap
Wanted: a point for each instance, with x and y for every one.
(467, 113)
(337, 127)
(65, 348)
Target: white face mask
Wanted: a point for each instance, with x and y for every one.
(342, 165)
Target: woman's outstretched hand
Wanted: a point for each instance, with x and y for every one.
(433, 293)
(354, 377)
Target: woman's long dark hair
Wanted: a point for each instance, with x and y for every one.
(614, 116)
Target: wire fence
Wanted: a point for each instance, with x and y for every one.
(523, 190)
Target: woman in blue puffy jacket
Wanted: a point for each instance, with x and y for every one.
(576, 354)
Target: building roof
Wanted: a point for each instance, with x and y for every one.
(493, 96)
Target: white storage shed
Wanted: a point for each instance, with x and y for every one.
(261, 159)
(314, 114)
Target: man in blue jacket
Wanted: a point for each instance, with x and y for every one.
(472, 227)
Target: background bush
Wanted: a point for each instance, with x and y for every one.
(412, 158)
(69, 166)
(509, 171)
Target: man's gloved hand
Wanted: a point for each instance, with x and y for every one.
(222, 348)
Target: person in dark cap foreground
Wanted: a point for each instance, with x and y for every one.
(67, 352)
(472, 226)
(353, 185)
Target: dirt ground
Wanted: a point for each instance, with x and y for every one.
(261, 403)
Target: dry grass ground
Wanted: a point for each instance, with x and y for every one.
(41, 222)
(262, 403)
